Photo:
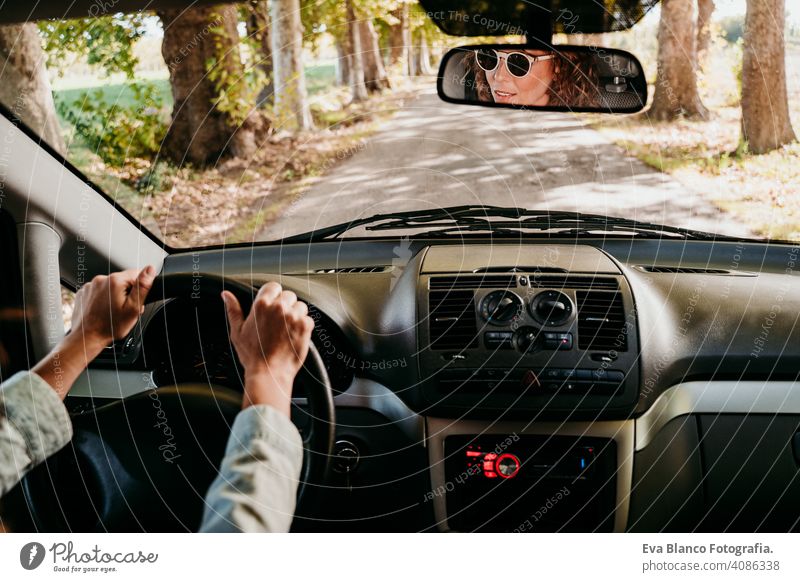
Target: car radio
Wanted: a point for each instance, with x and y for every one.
(530, 483)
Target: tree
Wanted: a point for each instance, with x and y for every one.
(375, 77)
(705, 8)
(210, 115)
(422, 53)
(291, 98)
(258, 31)
(676, 91)
(400, 39)
(342, 63)
(765, 106)
(354, 54)
(113, 129)
(24, 87)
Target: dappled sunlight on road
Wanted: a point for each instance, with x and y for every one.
(433, 154)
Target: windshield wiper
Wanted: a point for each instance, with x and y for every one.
(503, 221)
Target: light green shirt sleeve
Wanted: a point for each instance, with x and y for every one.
(256, 488)
(34, 424)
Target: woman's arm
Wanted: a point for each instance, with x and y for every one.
(34, 424)
(33, 420)
(256, 488)
(106, 309)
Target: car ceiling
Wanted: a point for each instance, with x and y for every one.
(499, 17)
(13, 11)
(510, 17)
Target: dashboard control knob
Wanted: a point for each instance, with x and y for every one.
(527, 339)
(500, 307)
(551, 308)
(507, 465)
(345, 456)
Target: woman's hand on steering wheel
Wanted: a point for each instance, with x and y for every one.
(272, 343)
(106, 309)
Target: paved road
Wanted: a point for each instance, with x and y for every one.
(433, 154)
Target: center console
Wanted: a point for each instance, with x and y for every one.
(543, 329)
(528, 361)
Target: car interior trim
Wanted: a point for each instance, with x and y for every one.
(717, 397)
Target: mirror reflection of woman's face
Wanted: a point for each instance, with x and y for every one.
(532, 89)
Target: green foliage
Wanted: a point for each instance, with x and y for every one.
(106, 42)
(117, 132)
(236, 91)
(738, 64)
(257, 64)
(329, 16)
(320, 17)
(155, 179)
(732, 28)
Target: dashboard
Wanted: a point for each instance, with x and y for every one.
(620, 368)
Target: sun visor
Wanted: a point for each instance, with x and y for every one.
(517, 17)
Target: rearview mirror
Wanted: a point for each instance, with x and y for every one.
(561, 78)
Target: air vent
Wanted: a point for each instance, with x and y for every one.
(561, 282)
(372, 269)
(473, 282)
(520, 270)
(689, 270)
(601, 321)
(453, 325)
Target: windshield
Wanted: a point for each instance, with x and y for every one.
(215, 125)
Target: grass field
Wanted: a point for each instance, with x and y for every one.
(319, 78)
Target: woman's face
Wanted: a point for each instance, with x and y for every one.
(532, 89)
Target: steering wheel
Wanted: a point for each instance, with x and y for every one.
(145, 462)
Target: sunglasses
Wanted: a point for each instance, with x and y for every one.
(517, 63)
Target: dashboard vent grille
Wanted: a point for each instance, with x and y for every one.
(601, 321)
(520, 270)
(473, 282)
(453, 324)
(371, 269)
(559, 282)
(689, 270)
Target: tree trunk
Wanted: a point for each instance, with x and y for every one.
(400, 41)
(422, 54)
(258, 26)
(765, 106)
(375, 77)
(705, 8)
(355, 56)
(291, 98)
(676, 92)
(413, 56)
(199, 132)
(24, 87)
(342, 63)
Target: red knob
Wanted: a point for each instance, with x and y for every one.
(507, 465)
